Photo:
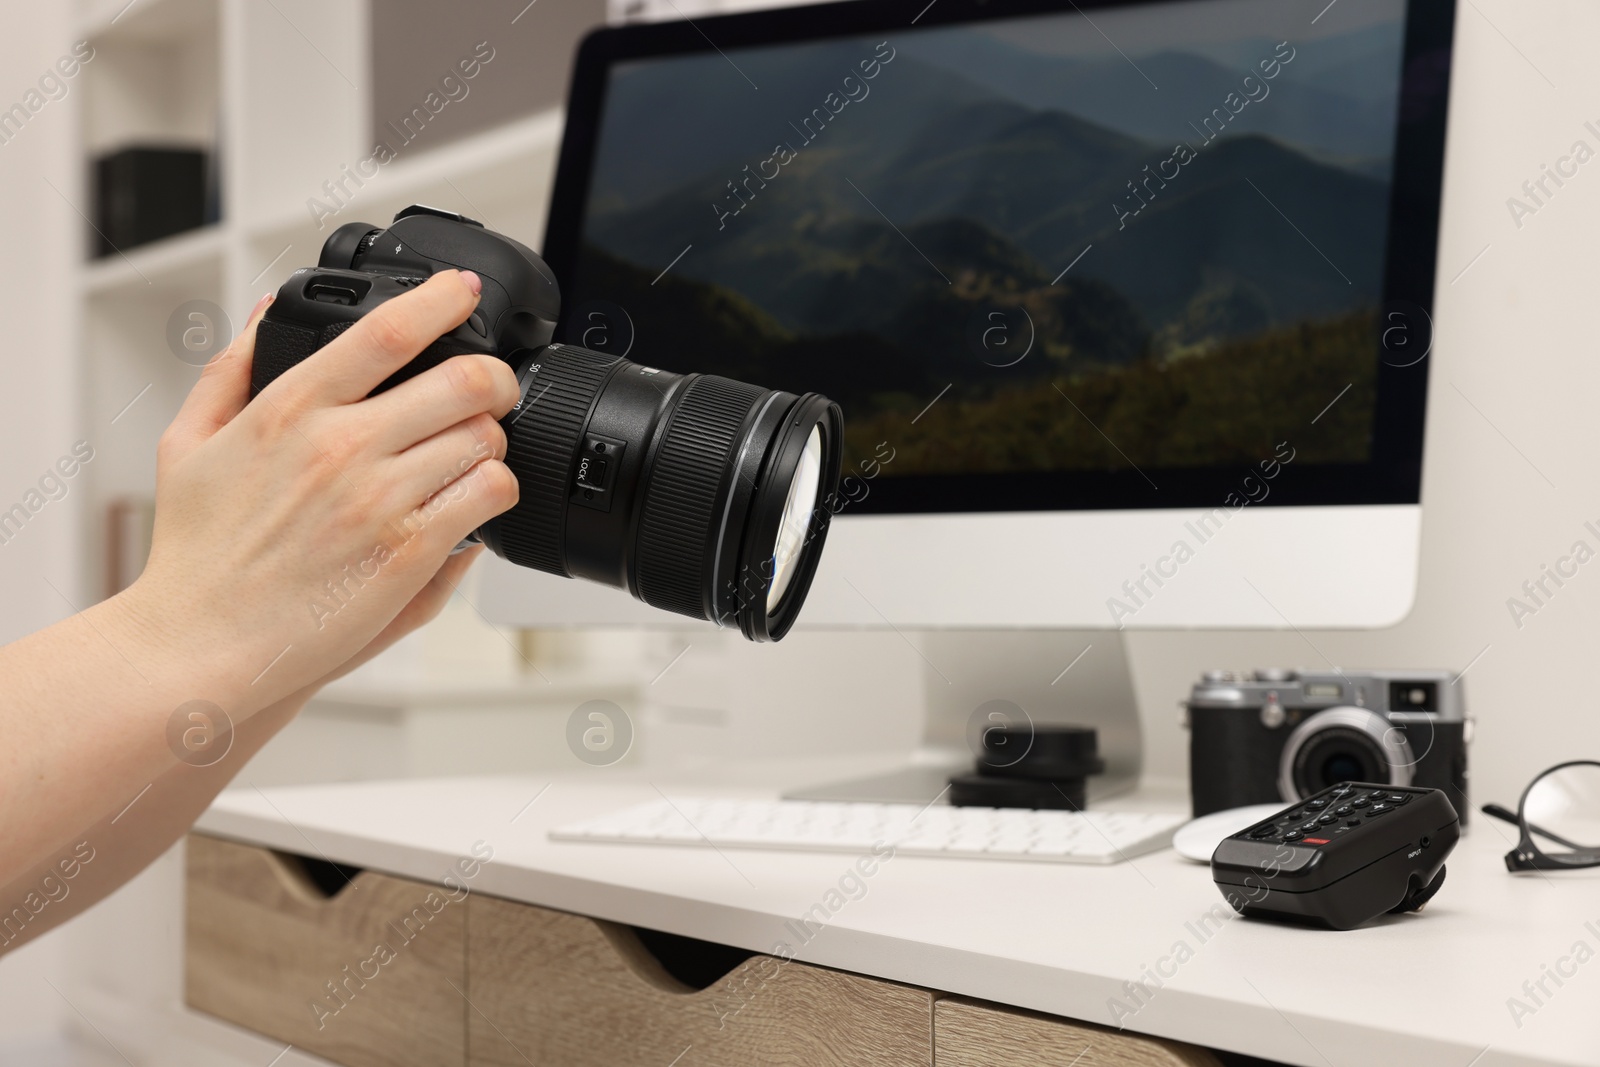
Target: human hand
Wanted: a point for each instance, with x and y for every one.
(421, 610)
(293, 532)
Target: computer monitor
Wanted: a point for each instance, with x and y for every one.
(1127, 303)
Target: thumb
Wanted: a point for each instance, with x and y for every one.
(224, 385)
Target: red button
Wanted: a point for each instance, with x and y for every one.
(1316, 840)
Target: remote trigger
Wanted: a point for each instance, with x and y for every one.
(1418, 895)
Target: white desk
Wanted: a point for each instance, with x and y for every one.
(1420, 990)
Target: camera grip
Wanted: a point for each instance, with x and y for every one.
(281, 345)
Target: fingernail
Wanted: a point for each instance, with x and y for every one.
(261, 305)
(474, 282)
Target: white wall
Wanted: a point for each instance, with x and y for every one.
(40, 237)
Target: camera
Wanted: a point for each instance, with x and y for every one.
(1273, 736)
(697, 494)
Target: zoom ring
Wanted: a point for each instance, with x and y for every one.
(679, 519)
(542, 444)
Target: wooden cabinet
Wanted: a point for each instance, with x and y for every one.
(369, 970)
(359, 972)
(553, 988)
(970, 1033)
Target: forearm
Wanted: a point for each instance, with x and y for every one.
(81, 871)
(84, 722)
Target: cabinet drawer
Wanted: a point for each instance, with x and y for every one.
(970, 1033)
(358, 971)
(552, 988)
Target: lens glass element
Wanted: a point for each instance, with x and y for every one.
(1337, 755)
(796, 518)
(1562, 810)
(1345, 767)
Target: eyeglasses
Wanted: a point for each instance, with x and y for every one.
(1559, 816)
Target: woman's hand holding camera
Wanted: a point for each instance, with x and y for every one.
(306, 520)
(296, 535)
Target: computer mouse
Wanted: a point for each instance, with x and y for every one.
(1198, 838)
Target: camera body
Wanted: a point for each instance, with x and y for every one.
(516, 312)
(1273, 736)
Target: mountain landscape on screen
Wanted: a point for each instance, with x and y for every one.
(932, 220)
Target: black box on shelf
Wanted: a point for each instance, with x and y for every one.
(143, 194)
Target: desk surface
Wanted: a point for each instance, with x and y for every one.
(1422, 990)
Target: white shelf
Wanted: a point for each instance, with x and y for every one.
(190, 260)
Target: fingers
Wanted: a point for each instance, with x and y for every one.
(459, 508)
(382, 341)
(444, 396)
(224, 385)
(422, 608)
(427, 604)
(430, 466)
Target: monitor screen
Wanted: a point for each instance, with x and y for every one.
(1104, 256)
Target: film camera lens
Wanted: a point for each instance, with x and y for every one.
(1344, 744)
(697, 494)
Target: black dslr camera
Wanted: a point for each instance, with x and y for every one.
(697, 494)
(1277, 736)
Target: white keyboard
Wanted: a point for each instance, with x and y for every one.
(913, 830)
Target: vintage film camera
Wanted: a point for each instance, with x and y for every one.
(1272, 735)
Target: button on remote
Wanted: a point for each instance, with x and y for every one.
(1343, 809)
(1360, 802)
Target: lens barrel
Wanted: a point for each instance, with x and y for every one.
(673, 487)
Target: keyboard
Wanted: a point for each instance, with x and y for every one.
(913, 830)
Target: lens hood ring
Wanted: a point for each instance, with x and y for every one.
(811, 411)
(1395, 748)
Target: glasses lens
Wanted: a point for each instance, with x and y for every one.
(1562, 810)
(796, 518)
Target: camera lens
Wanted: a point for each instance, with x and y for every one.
(1340, 766)
(697, 494)
(1343, 744)
(1335, 756)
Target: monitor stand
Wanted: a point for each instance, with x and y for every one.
(1077, 677)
